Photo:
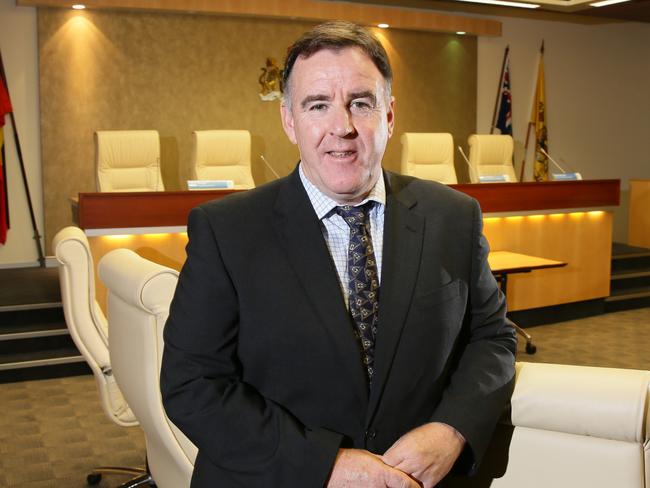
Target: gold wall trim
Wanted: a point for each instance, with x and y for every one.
(312, 10)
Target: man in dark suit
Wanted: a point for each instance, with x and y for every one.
(340, 326)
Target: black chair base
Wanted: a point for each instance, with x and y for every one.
(142, 477)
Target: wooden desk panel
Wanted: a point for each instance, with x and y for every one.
(170, 208)
(141, 209)
(639, 214)
(583, 239)
(516, 197)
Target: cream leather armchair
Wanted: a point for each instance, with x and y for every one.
(89, 331)
(222, 155)
(429, 156)
(491, 155)
(572, 426)
(128, 160)
(139, 294)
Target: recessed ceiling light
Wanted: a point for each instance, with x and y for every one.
(607, 2)
(383, 26)
(461, 33)
(504, 3)
(78, 6)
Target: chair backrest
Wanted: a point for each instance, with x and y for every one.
(577, 426)
(222, 155)
(429, 156)
(139, 295)
(85, 320)
(491, 155)
(128, 160)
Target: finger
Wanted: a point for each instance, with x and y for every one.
(397, 479)
(393, 456)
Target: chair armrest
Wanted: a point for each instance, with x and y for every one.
(139, 282)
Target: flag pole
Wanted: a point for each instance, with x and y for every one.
(498, 97)
(37, 237)
(530, 122)
(523, 161)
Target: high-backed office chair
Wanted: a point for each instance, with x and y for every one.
(577, 426)
(139, 294)
(222, 155)
(128, 160)
(429, 156)
(89, 331)
(491, 155)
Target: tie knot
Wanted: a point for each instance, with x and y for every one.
(354, 216)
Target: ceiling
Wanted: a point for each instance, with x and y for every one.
(578, 11)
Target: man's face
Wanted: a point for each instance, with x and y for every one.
(340, 117)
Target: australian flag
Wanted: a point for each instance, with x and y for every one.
(504, 115)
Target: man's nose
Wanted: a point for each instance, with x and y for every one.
(342, 125)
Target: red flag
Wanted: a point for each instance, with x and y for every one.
(5, 108)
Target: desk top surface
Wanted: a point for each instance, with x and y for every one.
(502, 262)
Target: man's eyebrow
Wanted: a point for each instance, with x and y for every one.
(314, 98)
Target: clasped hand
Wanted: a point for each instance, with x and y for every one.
(420, 458)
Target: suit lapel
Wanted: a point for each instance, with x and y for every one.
(403, 234)
(299, 231)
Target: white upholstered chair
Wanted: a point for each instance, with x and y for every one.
(128, 160)
(89, 331)
(222, 155)
(429, 156)
(572, 426)
(491, 155)
(139, 294)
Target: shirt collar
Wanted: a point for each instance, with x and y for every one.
(323, 204)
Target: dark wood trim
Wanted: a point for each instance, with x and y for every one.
(170, 208)
(548, 195)
(141, 209)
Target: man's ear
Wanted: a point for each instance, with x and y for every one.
(390, 116)
(287, 122)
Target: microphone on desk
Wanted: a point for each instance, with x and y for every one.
(268, 165)
(565, 174)
(472, 173)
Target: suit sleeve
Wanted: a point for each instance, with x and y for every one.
(233, 425)
(483, 379)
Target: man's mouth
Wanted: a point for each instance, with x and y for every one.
(341, 154)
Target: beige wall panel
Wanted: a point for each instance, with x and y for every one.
(582, 239)
(177, 73)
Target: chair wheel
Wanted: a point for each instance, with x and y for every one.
(93, 478)
(531, 348)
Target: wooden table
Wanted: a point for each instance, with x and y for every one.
(504, 263)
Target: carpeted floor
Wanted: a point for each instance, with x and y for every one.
(52, 432)
(616, 340)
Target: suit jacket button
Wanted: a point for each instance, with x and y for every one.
(371, 434)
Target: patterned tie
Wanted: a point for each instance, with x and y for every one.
(363, 281)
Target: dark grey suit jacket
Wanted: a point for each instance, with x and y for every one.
(261, 369)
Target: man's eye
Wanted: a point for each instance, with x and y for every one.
(318, 107)
(361, 104)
